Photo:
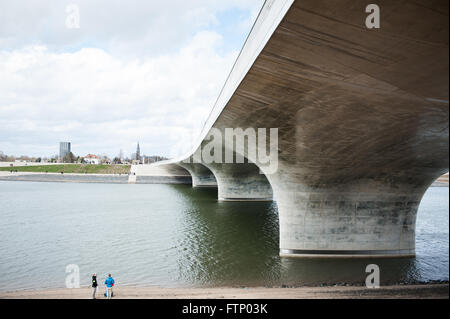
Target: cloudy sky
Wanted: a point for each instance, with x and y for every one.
(134, 70)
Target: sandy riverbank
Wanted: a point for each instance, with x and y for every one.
(344, 292)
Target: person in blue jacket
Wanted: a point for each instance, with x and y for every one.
(109, 282)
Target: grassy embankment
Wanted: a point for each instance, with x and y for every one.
(72, 168)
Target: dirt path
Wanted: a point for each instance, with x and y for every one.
(402, 291)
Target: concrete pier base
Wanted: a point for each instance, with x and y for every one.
(366, 218)
(290, 253)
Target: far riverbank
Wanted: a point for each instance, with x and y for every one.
(70, 168)
(120, 178)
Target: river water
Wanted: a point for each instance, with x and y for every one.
(176, 236)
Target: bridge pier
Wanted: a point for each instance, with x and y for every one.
(240, 182)
(363, 218)
(201, 175)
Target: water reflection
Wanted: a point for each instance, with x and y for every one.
(227, 243)
(175, 235)
(236, 243)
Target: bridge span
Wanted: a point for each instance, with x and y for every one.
(362, 119)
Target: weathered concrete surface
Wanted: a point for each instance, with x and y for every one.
(163, 180)
(362, 117)
(241, 182)
(160, 174)
(157, 169)
(131, 179)
(201, 175)
(235, 181)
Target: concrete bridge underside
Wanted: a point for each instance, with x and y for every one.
(201, 175)
(235, 181)
(363, 123)
(241, 182)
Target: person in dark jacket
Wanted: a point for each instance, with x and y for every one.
(94, 285)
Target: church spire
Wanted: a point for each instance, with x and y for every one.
(138, 152)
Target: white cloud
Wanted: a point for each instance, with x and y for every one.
(140, 71)
(89, 95)
(133, 28)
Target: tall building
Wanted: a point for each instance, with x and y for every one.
(138, 153)
(64, 149)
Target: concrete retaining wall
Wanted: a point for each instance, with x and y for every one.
(94, 178)
(74, 178)
(163, 180)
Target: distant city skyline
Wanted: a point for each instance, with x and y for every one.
(123, 76)
(65, 148)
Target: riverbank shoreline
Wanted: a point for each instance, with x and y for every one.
(93, 178)
(114, 178)
(415, 291)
